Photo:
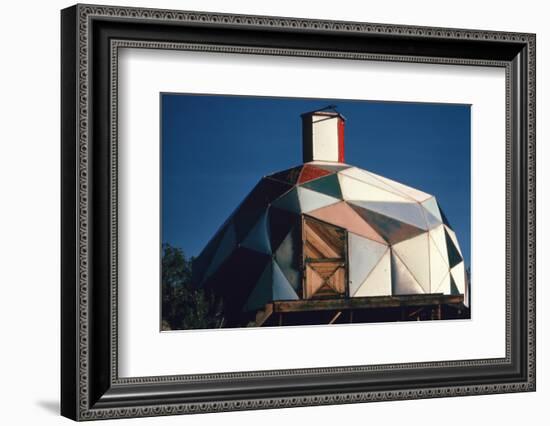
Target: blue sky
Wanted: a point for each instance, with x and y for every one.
(216, 148)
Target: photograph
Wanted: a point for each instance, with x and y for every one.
(279, 211)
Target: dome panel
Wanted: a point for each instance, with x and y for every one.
(444, 286)
(439, 265)
(452, 251)
(289, 176)
(459, 277)
(341, 214)
(414, 253)
(226, 246)
(288, 257)
(280, 223)
(311, 200)
(371, 179)
(415, 194)
(392, 230)
(410, 213)
(310, 172)
(378, 282)
(364, 254)
(403, 283)
(288, 201)
(258, 237)
(282, 290)
(262, 293)
(353, 189)
(328, 185)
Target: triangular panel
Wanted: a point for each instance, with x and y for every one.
(452, 235)
(454, 255)
(371, 179)
(393, 231)
(310, 172)
(444, 286)
(454, 289)
(378, 282)
(364, 254)
(459, 277)
(288, 201)
(262, 293)
(403, 283)
(311, 200)
(415, 255)
(331, 167)
(410, 213)
(438, 236)
(288, 257)
(415, 194)
(258, 237)
(226, 246)
(341, 214)
(439, 266)
(328, 185)
(289, 176)
(353, 189)
(282, 290)
(281, 222)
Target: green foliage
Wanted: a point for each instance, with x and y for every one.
(185, 307)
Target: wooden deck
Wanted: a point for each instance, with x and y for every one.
(275, 312)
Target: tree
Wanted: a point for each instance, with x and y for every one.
(183, 306)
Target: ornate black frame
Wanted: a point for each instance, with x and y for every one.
(91, 37)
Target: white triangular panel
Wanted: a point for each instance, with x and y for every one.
(415, 194)
(364, 254)
(353, 189)
(415, 255)
(459, 277)
(312, 200)
(439, 266)
(444, 286)
(438, 236)
(258, 238)
(282, 290)
(378, 282)
(367, 177)
(431, 206)
(431, 212)
(403, 282)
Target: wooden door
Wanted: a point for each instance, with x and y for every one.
(325, 260)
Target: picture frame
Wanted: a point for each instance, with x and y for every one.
(90, 384)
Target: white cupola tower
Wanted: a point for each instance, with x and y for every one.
(323, 135)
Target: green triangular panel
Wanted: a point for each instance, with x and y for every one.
(258, 238)
(454, 256)
(288, 201)
(328, 185)
(262, 292)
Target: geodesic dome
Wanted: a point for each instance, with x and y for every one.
(331, 230)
